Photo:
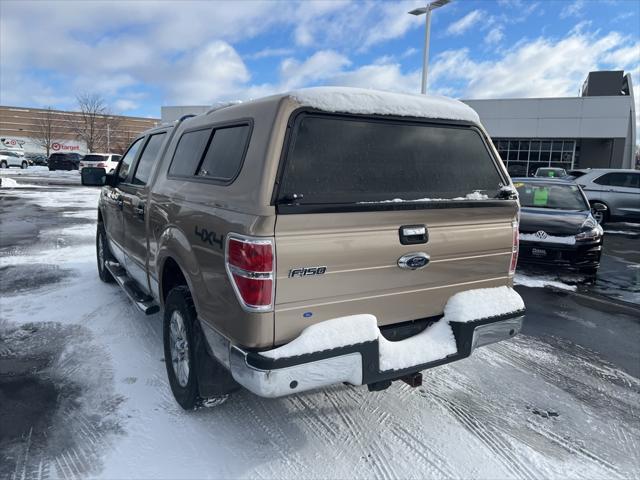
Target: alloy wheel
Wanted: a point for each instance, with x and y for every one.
(179, 346)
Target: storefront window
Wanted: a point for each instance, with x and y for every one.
(523, 156)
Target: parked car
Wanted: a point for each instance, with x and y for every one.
(108, 161)
(296, 242)
(615, 192)
(577, 173)
(550, 172)
(557, 227)
(37, 159)
(10, 158)
(64, 161)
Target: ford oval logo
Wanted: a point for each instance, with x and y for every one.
(413, 261)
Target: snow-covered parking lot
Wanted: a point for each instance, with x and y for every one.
(83, 389)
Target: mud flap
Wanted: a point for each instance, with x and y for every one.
(213, 378)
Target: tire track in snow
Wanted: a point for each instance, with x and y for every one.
(587, 393)
(417, 448)
(270, 424)
(482, 425)
(312, 416)
(572, 447)
(355, 433)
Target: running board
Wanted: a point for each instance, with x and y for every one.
(144, 302)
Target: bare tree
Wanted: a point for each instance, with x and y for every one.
(124, 138)
(48, 128)
(95, 124)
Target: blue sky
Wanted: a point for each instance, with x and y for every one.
(141, 54)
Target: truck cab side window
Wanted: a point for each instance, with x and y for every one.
(127, 160)
(148, 158)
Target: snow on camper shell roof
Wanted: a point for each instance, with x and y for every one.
(364, 101)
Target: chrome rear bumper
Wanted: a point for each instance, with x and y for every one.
(355, 364)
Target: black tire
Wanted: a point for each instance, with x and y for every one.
(101, 243)
(3, 164)
(24, 165)
(179, 302)
(589, 272)
(605, 214)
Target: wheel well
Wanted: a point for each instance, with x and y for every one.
(172, 277)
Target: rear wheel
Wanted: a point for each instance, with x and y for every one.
(601, 212)
(24, 165)
(182, 352)
(3, 164)
(103, 255)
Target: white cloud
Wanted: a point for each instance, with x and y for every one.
(317, 67)
(465, 23)
(271, 52)
(538, 68)
(624, 56)
(124, 105)
(214, 72)
(494, 36)
(573, 9)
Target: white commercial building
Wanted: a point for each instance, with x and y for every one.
(596, 130)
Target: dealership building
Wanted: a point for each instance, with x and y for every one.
(594, 130)
(20, 129)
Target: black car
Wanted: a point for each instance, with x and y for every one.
(37, 159)
(556, 225)
(64, 161)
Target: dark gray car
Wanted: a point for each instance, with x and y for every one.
(616, 189)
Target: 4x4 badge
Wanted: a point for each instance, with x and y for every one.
(413, 261)
(209, 237)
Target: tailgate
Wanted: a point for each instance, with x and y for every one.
(347, 186)
(467, 247)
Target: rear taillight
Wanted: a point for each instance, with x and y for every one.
(250, 265)
(514, 248)
(101, 165)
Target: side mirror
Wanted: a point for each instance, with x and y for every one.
(93, 177)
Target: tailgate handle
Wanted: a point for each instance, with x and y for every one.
(413, 234)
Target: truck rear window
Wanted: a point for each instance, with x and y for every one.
(350, 160)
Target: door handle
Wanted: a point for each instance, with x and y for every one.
(413, 234)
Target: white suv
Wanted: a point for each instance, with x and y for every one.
(108, 161)
(11, 158)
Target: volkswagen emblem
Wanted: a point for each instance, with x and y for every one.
(413, 261)
(541, 234)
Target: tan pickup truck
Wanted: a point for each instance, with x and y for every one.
(321, 236)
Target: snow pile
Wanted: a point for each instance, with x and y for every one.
(532, 237)
(541, 282)
(433, 343)
(364, 101)
(469, 196)
(334, 333)
(8, 182)
(480, 303)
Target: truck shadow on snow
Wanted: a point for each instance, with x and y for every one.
(58, 410)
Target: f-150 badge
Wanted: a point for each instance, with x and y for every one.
(307, 271)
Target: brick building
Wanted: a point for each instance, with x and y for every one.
(23, 129)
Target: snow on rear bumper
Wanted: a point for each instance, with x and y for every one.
(299, 366)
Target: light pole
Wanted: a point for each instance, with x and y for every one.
(419, 11)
